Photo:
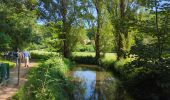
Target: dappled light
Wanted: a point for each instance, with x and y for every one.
(85, 49)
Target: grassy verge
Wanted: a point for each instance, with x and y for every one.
(42, 55)
(89, 58)
(47, 81)
(138, 77)
(11, 64)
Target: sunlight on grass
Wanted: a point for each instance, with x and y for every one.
(84, 54)
(11, 64)
(107, 57)
(110, 57)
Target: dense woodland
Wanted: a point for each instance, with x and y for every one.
(137, 32)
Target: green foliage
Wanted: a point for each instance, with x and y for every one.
(108, 61)
(84, 57)
(85, 48)
(11, 64)
(84, 54)
(89, 58)
(85, 60)
(123, 19)
(50, 38)
(37, 54)
(154, 76)
(16, 24)
(76, 36)
(106, 35)
(145, 52)
(47, 82)
(146, 68)
(35, 46)
(5, 41)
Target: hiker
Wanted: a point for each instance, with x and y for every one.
(18, 56)
(26, 56)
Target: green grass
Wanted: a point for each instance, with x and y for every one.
(48, 81)
(84, 54)
(11, 64)
(89, 58)
(41, 54)
(108, 56)
(109, 61)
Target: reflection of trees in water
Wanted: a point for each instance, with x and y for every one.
(104, 87)
(81, 89)
(79, 92)
(96, 94)
(112, 90)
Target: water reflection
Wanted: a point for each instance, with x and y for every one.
(96, 84)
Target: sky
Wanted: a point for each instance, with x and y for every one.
(41, 22)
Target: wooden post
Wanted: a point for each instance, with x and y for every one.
(19, 65)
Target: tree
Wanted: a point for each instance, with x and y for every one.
(157, 24)
(69, 12)
(122, 15)
(17, 22)
(99, 6)
(106, 35)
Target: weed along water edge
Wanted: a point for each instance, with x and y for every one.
(94, 83)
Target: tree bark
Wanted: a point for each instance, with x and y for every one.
(98, 5)
(66, 51)
(121, 33)
(157, 32)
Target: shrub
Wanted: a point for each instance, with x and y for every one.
(155, 79)
(47, 82)
(84, 59)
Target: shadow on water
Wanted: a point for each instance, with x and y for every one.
(93, 83)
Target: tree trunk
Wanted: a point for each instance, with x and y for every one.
(66, 51)
(121, 33)
(157, 32)
(97, 37)
(99, 26)
(120, 53)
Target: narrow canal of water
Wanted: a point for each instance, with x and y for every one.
(93, 83)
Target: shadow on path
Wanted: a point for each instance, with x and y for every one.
(11, 88)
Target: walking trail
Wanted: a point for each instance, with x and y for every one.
(11, 88)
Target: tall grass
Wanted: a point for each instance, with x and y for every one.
(47, 82)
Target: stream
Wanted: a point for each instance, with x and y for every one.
(94, 83)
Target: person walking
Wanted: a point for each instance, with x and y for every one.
(18, 55)
(26, 56)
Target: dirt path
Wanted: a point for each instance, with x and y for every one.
(12, 87)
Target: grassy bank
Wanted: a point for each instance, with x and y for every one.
(144, 80)
(89, 58)
(42, 55)
(47, 81)
(11, 64)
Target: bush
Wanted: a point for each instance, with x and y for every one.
(5, 41)
(47, 82)
(84, 57)
(146, 68)
(85, 60)
(155, 79)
